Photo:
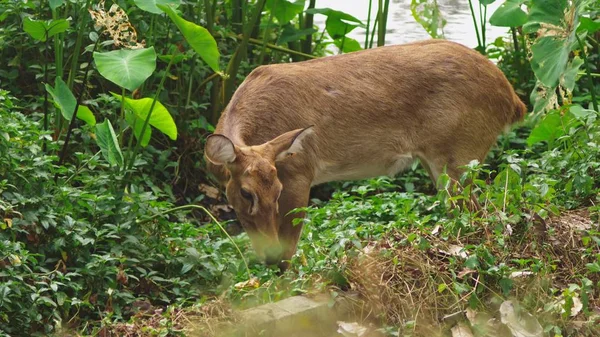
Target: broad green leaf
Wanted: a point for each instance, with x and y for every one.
(550, 57)
(85, 114)
(127, 68)
(137, 124)
(570, 74)
(589, 25)
(41, 30)
(198, 37)
(349, 45)
(107, 141)
(487, 2)
(547, 130)
(160, 119)
(284, 11)
(54, 4)
(427, 13)
(338, 23)
(545, 11)
(63, 97)
(290, 33)
(150, 5)
(580, 113)
(509, 14)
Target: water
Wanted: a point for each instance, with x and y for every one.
(403, 28)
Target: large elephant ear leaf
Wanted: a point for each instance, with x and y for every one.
(198, 37)
(509, 14)
(160, 118)
(127, 68)
(151, 5)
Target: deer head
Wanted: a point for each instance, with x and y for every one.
(253, 187)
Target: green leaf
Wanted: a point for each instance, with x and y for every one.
(509, 14)
(548, 129)
(284, 11)
(137, 124)
(506, 285)
(85, 114)
(487, 2)
(338, 23)
(127, 68)
(186, 267)
(41, 30)
(151, 5)
(589, 25)
(63, 97)
(428, 14)
(160, 119)
(290, 33)
(54, 4)
(198, 37)
(580, 113)
(472, 262)
(545, 11)
(570, 74)
(349, 46)
(107, 141)
(549, 60)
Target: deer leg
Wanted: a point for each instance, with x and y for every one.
(437, 164)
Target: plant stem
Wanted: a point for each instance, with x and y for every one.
(45, 92)
(236, 59)
(266, 33)
(368, 24)
(180, 208)
(373, 30)
(77, 48)
(475, 23)
(589, 74)
(63, 153)
(308, 24)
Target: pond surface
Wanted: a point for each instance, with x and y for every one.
(403, 28)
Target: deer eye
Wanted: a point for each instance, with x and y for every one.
(245, 194)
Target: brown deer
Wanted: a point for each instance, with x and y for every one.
(364, 114)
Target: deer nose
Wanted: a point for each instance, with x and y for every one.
(273, 255)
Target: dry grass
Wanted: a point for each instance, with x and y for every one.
(401, 284)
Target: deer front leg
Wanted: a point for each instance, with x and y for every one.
(294, 195)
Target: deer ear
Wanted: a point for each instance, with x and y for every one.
(289, 143)
(219, 149)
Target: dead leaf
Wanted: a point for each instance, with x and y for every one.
(209, 191)
(351, 329)
(575, 309)
(521, 324)
(461, 330)
(516, 274)
(251, 283)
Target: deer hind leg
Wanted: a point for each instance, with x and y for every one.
(451, 161)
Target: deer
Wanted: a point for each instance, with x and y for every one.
(369, 113)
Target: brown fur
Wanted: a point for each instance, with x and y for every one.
(372, 110)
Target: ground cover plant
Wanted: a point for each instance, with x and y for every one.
(109, 224)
